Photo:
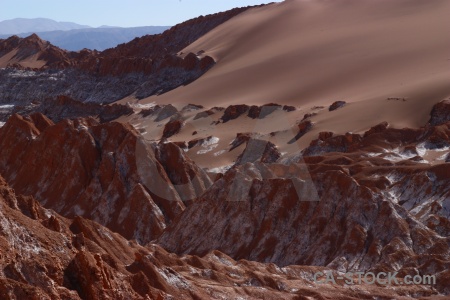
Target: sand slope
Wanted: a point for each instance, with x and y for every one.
(314, 52)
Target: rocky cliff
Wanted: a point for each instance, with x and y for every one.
(46, 256)
(349, 203)
(104, 172)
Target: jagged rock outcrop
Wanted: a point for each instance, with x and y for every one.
(104, 172)
(367, 202)
(440, 113)
(84, 260)
(257, 150)
(171, 128)
(303, 128)
(233, 112)
(336, 105)
(207, 113)
(255, 112)
(33, 45)
(189, 180)
(63, 107)
(260, 112)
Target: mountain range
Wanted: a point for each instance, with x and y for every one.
(75, 37)
(24, 25)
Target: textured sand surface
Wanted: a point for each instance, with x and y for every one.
(307, 53)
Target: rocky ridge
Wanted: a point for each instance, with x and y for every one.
(112, 173)
(369, 202)
(146, 66)
(46, 256)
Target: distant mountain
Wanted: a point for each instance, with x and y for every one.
(22, 25)
(74, 37)
(94, 38)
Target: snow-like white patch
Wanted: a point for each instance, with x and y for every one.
(222, 169)
(393, 178)
(222, 260)
(82, 127)
(142, 106)
(6, 106)
(21, 74)
(2, 124)
(78, 211)
(172, 278)
(220, 152)
(421, 149)
(209, 145)
(442, 149)
(19, 238)
(391, 195)
(105, 233)
(211, 141)
(442, 157)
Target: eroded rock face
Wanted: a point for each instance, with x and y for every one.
(260, 112)
(171, 128)
(258, 150)
(102, 172)
(233, 112)
(63, 107)
(336, 105)
(303, 128)
(367, 202)
(84, 260)
(189, 180)
(255, 112)
(354, 202)
(440, 113)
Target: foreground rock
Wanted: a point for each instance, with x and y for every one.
(45, 256)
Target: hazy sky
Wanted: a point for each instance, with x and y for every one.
(126, 13)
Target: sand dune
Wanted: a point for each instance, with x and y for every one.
(314, 52)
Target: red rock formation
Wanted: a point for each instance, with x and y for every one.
(33, 45)
(83, 260)
(207, 113)
(259, 112)
(303, 128)
(171, 128)
(64, 107)
(257, 150)
(144, 54)
(189, 180)
(359, 203)
(380, 208)
(98, 171)
(440, 113)
(336, 105)
(233, 112)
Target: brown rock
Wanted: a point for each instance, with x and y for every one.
(303, 128)
(233, 112)
(376, 129)
(260, 112)
(110, 180)
(172, 128)
(336, 105)
(440, 113)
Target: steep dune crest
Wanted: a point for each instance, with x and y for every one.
(309, 53)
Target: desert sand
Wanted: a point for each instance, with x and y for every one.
(312, 53)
